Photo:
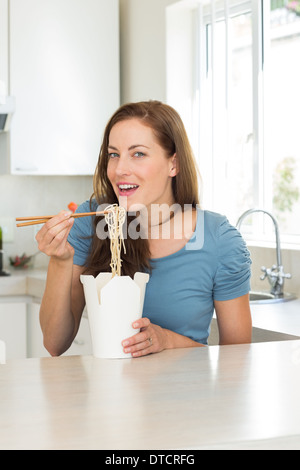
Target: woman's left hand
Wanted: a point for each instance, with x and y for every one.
(151, 339)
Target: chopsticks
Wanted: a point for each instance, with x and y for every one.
(41, 219)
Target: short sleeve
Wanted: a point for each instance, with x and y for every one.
(232, 278)
(80, 236)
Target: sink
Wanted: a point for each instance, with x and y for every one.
(257, 297)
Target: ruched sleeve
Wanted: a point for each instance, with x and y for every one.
(232, 277)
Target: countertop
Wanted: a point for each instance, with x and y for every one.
(283, 317)
(231, 397)
(23, 282)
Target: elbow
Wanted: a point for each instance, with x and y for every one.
(54, 344)
(53, 349)
(54, 352)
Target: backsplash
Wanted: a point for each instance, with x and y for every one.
(37, 195)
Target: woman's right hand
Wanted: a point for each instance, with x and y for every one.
(53, 237)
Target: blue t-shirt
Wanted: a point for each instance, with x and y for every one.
(214, 265)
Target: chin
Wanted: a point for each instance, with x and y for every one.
(135, 207)
(130, 204)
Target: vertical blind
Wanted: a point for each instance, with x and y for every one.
(216, 88)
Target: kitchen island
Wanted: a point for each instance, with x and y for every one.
(229, 397)
(283, 317)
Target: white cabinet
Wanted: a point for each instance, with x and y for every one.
(81, 345)
(64, 74)
(13, 328)
(3, 47)
(35, 347)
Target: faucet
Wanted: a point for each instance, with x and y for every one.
(276, 274)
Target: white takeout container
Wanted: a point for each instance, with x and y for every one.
(113, 304)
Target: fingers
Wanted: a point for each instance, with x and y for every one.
(52, 238)
(141, 323)
(54, 225)
(140, 348)
(143, 342)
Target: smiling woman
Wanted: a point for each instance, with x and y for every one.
(147, 166)
(161, 126)
(141, 172)
(145, 159)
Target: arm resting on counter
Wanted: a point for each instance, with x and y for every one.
(234, 320)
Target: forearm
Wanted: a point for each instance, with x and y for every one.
(175, 340)
(56, 318)
(153, 338)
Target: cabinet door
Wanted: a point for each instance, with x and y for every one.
(64, 74)
(13, 329)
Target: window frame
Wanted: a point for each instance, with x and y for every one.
(200, 14)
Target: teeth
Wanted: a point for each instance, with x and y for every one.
(127, 186)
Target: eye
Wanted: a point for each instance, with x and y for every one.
(139, 154)
(113, 155)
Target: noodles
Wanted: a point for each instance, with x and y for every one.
(115, 219)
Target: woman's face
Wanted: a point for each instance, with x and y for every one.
(138, 167)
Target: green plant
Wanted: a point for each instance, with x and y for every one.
(292, 5)
(285, 191)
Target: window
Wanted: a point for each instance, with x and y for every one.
(245, 97)
(282, 105)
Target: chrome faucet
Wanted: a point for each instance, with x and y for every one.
(276, 274)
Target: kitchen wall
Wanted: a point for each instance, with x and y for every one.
(37, 195)
(143, 49)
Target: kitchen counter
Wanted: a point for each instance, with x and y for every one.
(24, 282)
(283, 317)
(231, 397)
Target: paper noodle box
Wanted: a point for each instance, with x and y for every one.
(113, 304)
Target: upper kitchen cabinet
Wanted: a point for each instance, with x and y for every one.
(64, 75)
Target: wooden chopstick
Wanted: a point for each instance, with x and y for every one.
(33, 222)
(41, 219)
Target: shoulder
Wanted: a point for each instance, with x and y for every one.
(219, 236)
(87, 206)
(212, 220)
(214, 226)
(209, 230)
(218, 226)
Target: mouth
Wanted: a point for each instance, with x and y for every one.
(126, 189)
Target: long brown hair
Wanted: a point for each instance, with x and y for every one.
(170, 133)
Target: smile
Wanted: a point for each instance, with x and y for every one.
(127, 188)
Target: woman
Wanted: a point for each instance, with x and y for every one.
(146, 163)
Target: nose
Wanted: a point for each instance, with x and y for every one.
(123, 166)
